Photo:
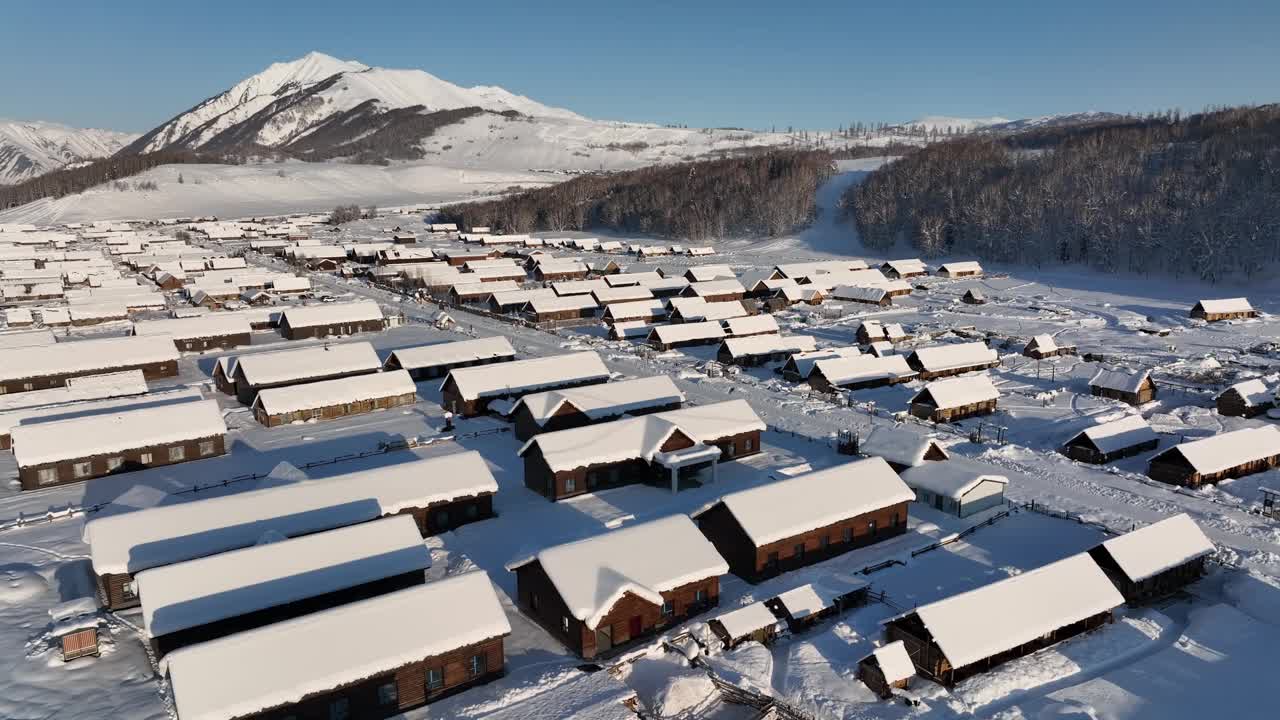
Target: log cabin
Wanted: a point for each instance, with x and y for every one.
(939, 361)
(857, 372)
(887, 668)
(468, 391)
(751, 325)
(973, 296)
(715, 290)
(1218, 457)
(871, 331)
(1246, 399)
(318, 321)
(682, 310)
(862, 294)
(466, 292)
(675, 448)
(212, 597)
(330, 399)
(1155, 561)
(372, 658)
(759, 284)
(963, 635)
(1225, 309)
(796, 522)
(197, 334)
(514, 301)
(1112, 440)
(686, 334)
(903, 269)
(707, 273)
(23, 369)
(803, 607)
(901, 448)
(590, 404)
(433, 361)
(750, 623)
(78, 449)
(254, 372)
(760, 349)
(440, 493)
(627, 294)
(955, 398)
(956, 487)
(959, 269)
(798, 367)
(557, 270)
(1045, 346)
(643, 311)
(548, 310)
(605, 593)
(1134, 388)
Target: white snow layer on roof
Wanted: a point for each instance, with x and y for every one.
(813, 598)
(966, 266)
(804, 361)
(786, 508)
(768, 344)
(746, 620)
(951, 479)
(1254, 392)
(85, 356)
(895, 664)
(960, 391)
(82, 437)
(897, 445)
(283, 366)
(527, 375)
(1119, 434)
(329, 314)
(198, 592)
(339, 391)
(451, 353)
(605, 399)
(647, 559)
(1005, 614)
(203, 326)
(85, 387)
(1226, 305)
(946, 357)
(639, 309)
(559, 304)
(1229, 449)
(1158, 547)
(134, 541)
(281, 663)
(1121, 380)
(1045, 343)
(752, 324)
(689, 331)
(850, 369)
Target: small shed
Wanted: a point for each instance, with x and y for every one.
(955, 399)
(750, 623)
(1155, 561)
(74, 625)
(1246, 399)
(1223, 309)
(973, 296)
(1112, 440)
(803, 607)
(901, 448)
(1043, 346)
(1134, 388)
(955, 487)
(888, 667)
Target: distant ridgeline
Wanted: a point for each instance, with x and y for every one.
(770, 192)
(1195, 195)
(69, 181)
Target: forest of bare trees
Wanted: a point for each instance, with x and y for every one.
(767, 194)
(58, 183)
(1198, 195)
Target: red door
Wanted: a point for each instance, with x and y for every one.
(635, 626)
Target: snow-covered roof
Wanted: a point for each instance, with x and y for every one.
(1229, 449)
(864, 293)
(849, 369)
(639, 309)
(578, 287)
(952, 478)
(772, 512)
(631, 329)
(1001, 616)
(1044, 343)
(812, 598)
(747, 619)
(1119, 434)
(604, 399)
(937, 358)
(99, 311)
(339, 391)
(955, 267)
(687, 332)
(809, 269)
(716, 287)
(129, 429)
(527, 375)
(696, 308)
(26, 338)
(273, 573)
(482, 289)
(135, 541)
(626, 293)
(244, 673)
(804, 362)
(959, 391)
(704, 273)
(902, 267)
(646, 560)
(768, 344)
(1254, 392)
(1158, 547)
(894, 662)
(1120, 380)
(504, 298)
(1226, 305)
(452, 353)
(290, 283)
(550, 266)
(272, 368)
(332, 314)
(540, 305)
(632, 278)
(898, 445)
(203, 326)
(752, 325)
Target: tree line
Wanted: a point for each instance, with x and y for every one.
(1187, 196)
(68, 181)
(763, 194)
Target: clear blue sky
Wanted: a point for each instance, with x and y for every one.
(130, 65)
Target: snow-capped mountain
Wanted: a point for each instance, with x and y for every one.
(32, 148)
(957, 124)
(1047, 121)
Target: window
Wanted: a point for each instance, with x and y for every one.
(564, 624)
(114, 463)
(388, 694)
(825, 541)
(668, 609)
(472, 512)
(570, 485)
(340, 709)
(772, 560)
(206, 448)
(798, 550)
(145, 458)
(47, 476)
(177, 453)
(871, 526)
(81, 469)
(479, 664)
(747, 445)
(700, 596)
(442, 518)
(848, 535)
(593, 479)
(28, 386)
(896, 520)
(435, 678)
(129, 590)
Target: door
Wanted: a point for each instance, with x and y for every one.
(635, 626)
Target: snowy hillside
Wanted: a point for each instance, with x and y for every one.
(28, 149)
(957, 124)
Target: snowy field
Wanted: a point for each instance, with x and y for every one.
(1196, 655)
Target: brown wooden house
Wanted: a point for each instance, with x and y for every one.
(330, 399)
(318, 321)
(1225, 309)
(24, 369)
(1045, 346)
(224, 370)
(590, 404)
(254, 372)
(1134, 388)
(799, 521)
(959, 269)
(955, 399)
(1217, 457)
(801, 608)
(426, 362)
(200, 333)
(609, 591)
(469, 391)
(1155, 561)
(1246, 399)
(888, 668)
(542, 310)
(1113, 440)
(939, 361)
(750, 623)
(294, 669)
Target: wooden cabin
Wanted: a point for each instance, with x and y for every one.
(305, 667)
(1155, 561)
(1134, 388)
(201, 333)
(1045, 346)
(961, 636)
(318, 321)
(255, 372)
(1225, 309)
(803, 607)
(749, 623)
(1218, 457)
(1246, 399)
(465, 292)
(468, 391)
(959, 270)
(887, 668)
(798, 367)
(686, 334)
(901, 447)
(693, 310)
(544, 310)
(903, 269)
(23, 369)
(955, 487)
(612, 590)
(862, 294)
(590, 404)
(939, 361)
(643, 311)
(955, 399)
(871, 331)
(554, 271)
(973, 296)
(715, 290)
(81, 448)
(331, 399)
(760, 349)
(1108, 441)
(440, 493)
(796, 522)
(434, 361)
(857, 372)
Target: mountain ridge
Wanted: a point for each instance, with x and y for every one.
(30, 148)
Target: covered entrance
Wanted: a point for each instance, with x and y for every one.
(693, 466)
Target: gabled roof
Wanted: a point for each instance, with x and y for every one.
(645, 560)
(282, 366)
(505, 298)
(128, 429)
(752, 325)
(685, 332)
(898, 445)
(339, 391)
(526, 375)
(809, 269)
(812, 598)
(1114, 435)
(768, 344)
(451, 353)
(638, 309)
(786, 508)
(578, 287)
(482, 288)
(696, 308)
(850, 369)
(959, 391)
(703, 273)
(1227, 450)
(802, 363)
(328, 314)
(540, 305)
(747, 619)
(1120, 380)
(894, 662)
(936, 358)
(951, 478)
(84, 356)
(604, 399)
(1254, 392)
(627, 293)
(1225, 305)
(1043, 343)
(202, 326)
(632, 278)
(966, 266)
(1158, 547)
(903, 267)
